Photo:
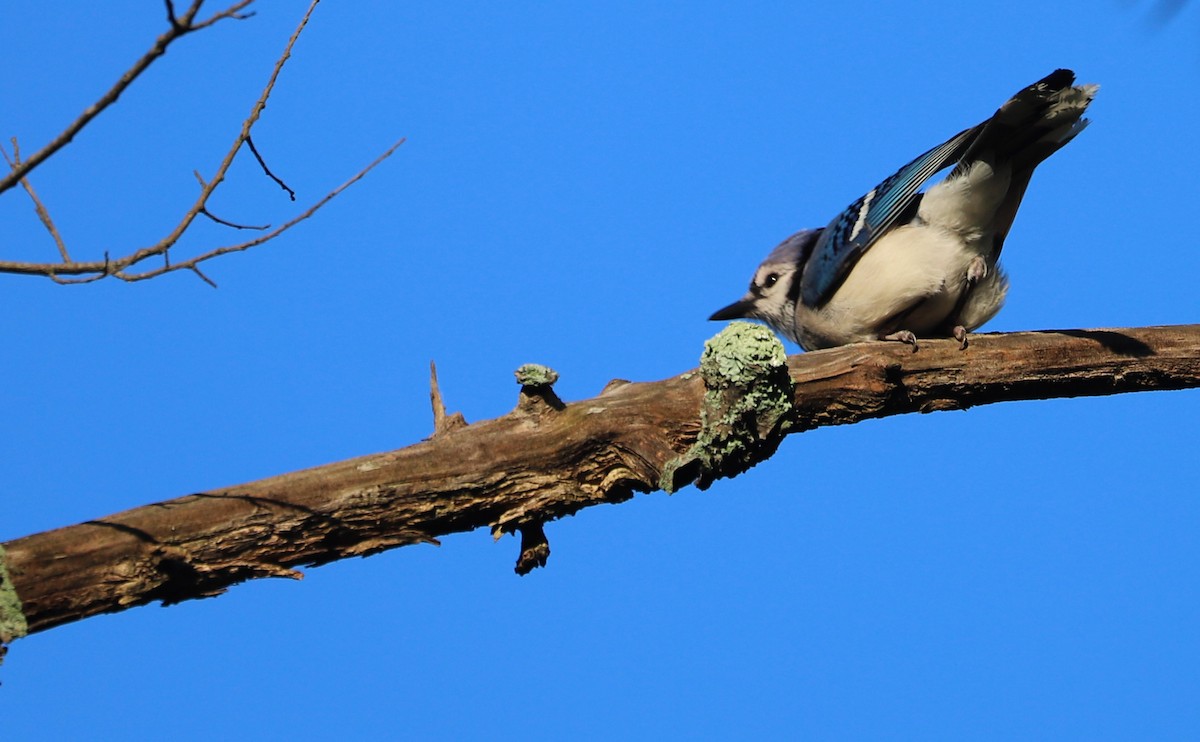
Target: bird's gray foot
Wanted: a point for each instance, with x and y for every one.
(977, 270)
(903, 336)
(960, 334)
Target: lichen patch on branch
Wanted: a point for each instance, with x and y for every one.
(747, 401)
(12, 619)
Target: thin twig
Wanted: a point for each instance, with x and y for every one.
(267, 170)
(105, 268)
(234, 12)
(86, 272)
(203, 277)
(124, 276)
(179, 27)
(38, 206)
(223, 168)
(234, 225)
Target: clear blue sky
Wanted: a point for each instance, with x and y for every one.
(582, 186)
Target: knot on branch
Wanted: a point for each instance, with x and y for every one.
(747, 403)
(614, 385)
(537, 395)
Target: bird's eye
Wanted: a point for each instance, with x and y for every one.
(770, 280)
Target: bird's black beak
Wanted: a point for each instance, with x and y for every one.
(736, 310)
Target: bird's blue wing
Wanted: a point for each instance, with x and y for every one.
(866, 220)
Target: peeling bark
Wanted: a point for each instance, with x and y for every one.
(543, 461)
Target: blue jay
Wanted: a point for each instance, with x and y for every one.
(898, 263)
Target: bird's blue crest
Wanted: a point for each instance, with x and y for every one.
(795, 249)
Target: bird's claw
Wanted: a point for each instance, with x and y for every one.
(977, 270)
(960, 334)
(903, 336)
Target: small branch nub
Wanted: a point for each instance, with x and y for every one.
(537, 395)
(535, 548)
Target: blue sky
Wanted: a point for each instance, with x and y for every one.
(582, 186)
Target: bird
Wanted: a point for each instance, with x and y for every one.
(900, 264)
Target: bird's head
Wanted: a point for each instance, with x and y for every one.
(775, 287)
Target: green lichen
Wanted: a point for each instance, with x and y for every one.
(746, 405)
(739, 354)
(12, 620)
(535, 374)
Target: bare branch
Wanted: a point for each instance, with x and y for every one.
(540, 463)
(207, 190)
(233, 11)
(267, 170)
(121, 267)
(178, 28)
(226, 223)
(217, 252)
(203, 277)
(102, 269)
(38, 207)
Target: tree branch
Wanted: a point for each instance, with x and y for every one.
(546, 460)
(179, 27)
(127, 267)
(38, 207)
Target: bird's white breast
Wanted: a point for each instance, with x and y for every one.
(911, 279)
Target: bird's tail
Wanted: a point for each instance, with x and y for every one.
(1033, 124)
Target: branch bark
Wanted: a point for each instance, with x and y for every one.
(543, 461)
